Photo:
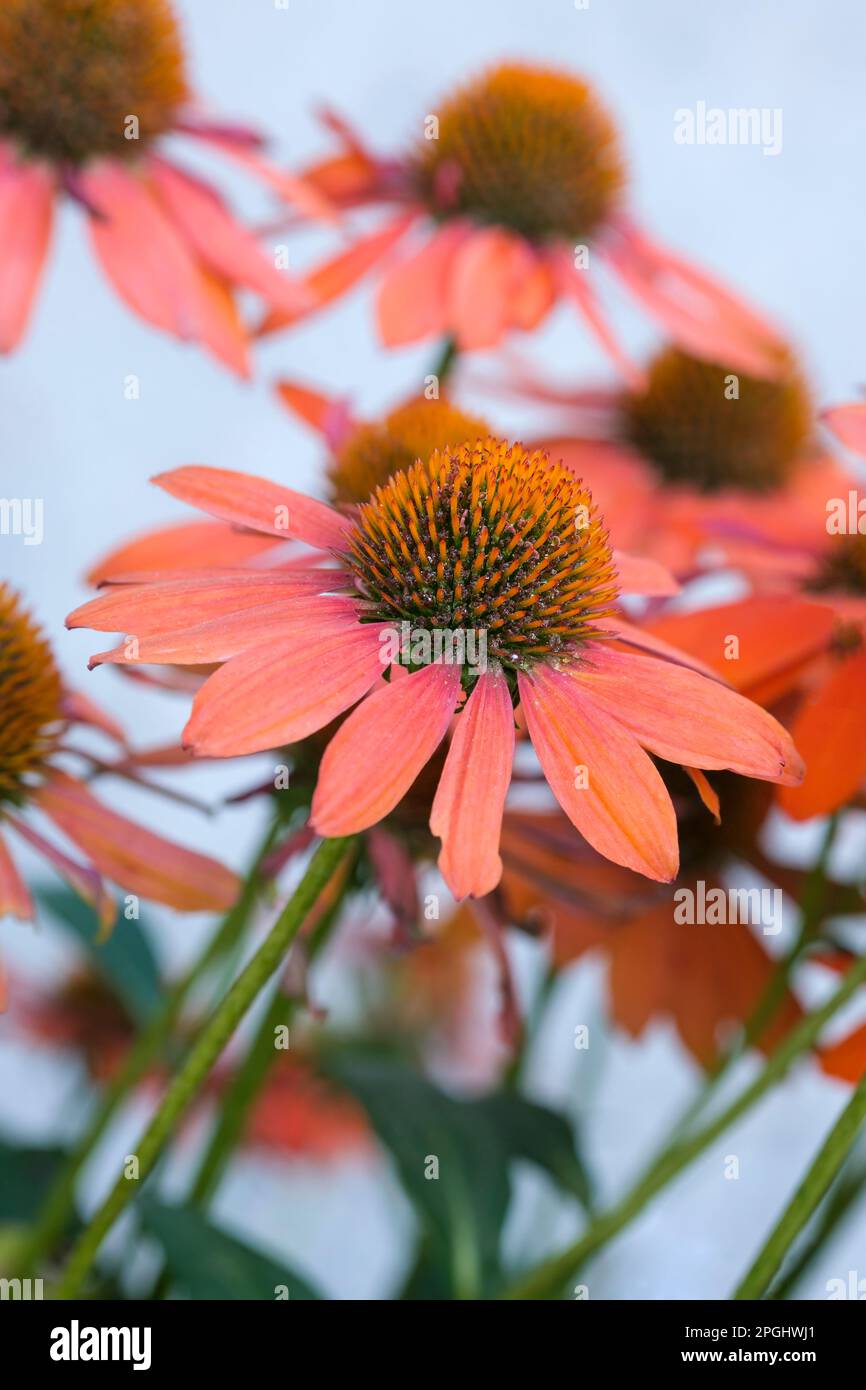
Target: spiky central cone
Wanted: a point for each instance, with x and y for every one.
(523, 148)
(486, 538)
(373, 452)
(81, 78)
(30, 697)
(843, 568)
(701, 423)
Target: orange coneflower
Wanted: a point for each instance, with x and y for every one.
(88, 89)
(485, 540)
(518, 182)
(36, 713)
(699, 465)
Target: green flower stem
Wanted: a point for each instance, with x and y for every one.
(260, 1057)
(446, 361)
(202, 1056)
(847, 1191)
(59, 1203)
(550, 1277)
(812, 914)
(812, 1188)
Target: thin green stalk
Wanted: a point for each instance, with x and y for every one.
(202, 1057)
(446, 361)
(848, 1190)
(812, 1188)
(549, 1278)
(811, 916)
(60, 1200)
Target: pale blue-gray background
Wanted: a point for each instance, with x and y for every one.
(787, 230)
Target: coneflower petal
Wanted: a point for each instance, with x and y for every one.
(829, 733)
(26, 199)
(266, 698)
(373, 759)
(607, 785)
(469, 801)
(15, 900)
(246, 500)
(413, 298)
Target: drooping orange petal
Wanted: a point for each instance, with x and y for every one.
(751, 640)
(83, 879)
(141, 252)
(574, 284)
(336, 276)
(137, 859)
(245, 500)
(222, 328)
(829, 733)
(26, 203)
(276, 695)
(846, 1059)
(165, 606)
(534, 293)
(15, 900)
(606, 784)
(184, 545)
(638, 575)
(698, 312)
(329, 416)
(848, 423)
(219, 241)
(413, 295)
(706, 792)
(375, 756)
(469, 801)
(80, 709)
(485, 272)
(687, 718)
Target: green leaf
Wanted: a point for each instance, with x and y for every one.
(125, 959)
(26, 1174)
(206, 1263)
(454, 1160)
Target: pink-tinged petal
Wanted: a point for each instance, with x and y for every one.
(153, 609)
(606, 784)
(267, 698)
(329, 416)
(218, 240)
(574, 284)
(486, 271)
(632, 636)
(80, 709)
(467, 809)
(258, 504)
(848, 423)
(413, 296)
(187, 545)
(293, 188)
(84, 880)
(335, 277)
(137, 859)
(687, 718)
(375, 756)
(534, 294)
(219, 639)
(26, 203)
(698, 312)
(142, 253)
(15, 900)
(637, 575)
(829, 730)
(222, 328)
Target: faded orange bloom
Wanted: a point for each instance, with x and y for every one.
(38, 714)
(504, 207)
(70, 75)
(487, 541)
